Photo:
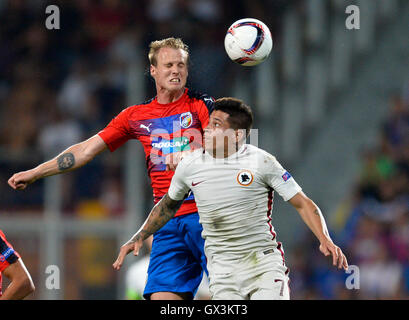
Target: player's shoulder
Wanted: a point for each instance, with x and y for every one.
(192, 157)
(200, 96)
(253, 150)
(140, 104)
(261, 158)
(136, 108)
(195, 94)
(7, 253)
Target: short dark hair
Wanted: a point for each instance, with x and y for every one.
(240, 114)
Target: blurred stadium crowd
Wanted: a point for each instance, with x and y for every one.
(372, 226)
(58, 87)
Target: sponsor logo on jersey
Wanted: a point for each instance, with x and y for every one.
(195, 184)
(6, 254)
(286, 176)
(170, 146)
(245, 177)
(186, 120)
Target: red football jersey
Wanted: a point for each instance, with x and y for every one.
(7, 255)
(162, 129)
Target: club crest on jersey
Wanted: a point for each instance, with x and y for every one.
(186, 120)
(245, 177)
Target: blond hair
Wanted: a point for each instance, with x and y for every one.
(174, 43)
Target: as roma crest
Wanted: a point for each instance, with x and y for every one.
(245, 177)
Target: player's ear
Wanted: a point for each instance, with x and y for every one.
(240, 135)
(152, 70)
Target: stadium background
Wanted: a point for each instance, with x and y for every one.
(331, 103)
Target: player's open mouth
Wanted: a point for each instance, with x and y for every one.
(176, 80)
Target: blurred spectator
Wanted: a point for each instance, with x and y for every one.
(105, 20)
(381, 277)
(75, 94)
(377, 230)
(112, 194)
(396, 128)
(18, 128)
(59, 133)
(399, 238)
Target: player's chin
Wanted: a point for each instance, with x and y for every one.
(177, 84)
(206, 143)
(208, 146)
(173, 89)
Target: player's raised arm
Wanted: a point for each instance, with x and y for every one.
(161, 213)
(314, 219)
(21, 284)
(72, 158)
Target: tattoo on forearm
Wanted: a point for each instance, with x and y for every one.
(159, 216)
(65, 161)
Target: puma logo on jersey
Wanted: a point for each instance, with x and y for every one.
(146, 127)
(208, 99)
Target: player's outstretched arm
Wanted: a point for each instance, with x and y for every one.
(21, 284)
(72, 158)
(314, 219)
(161, 213)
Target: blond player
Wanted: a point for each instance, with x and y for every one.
(233, 184)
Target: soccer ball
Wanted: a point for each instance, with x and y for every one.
(248, 42)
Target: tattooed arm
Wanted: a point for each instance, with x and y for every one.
(313, 218)
(72, 158)
(161, 213)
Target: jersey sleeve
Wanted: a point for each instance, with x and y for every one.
(279, 179)
(179, 187)
(117, 132)
(205, 109)
(7, 253)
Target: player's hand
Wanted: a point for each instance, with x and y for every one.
(327, 247)
(172, 159)
(125, 250)
(19, 181)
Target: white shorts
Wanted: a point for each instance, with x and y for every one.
(259, 275)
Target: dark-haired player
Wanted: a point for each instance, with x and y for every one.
(233, 183)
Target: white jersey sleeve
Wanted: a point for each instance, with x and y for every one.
(279, 179)
(178, 186)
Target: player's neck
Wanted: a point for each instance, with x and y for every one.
(227, 152)
(165, 96)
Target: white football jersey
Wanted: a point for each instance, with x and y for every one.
(234, 197)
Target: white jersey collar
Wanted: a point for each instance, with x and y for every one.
(232, 156)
